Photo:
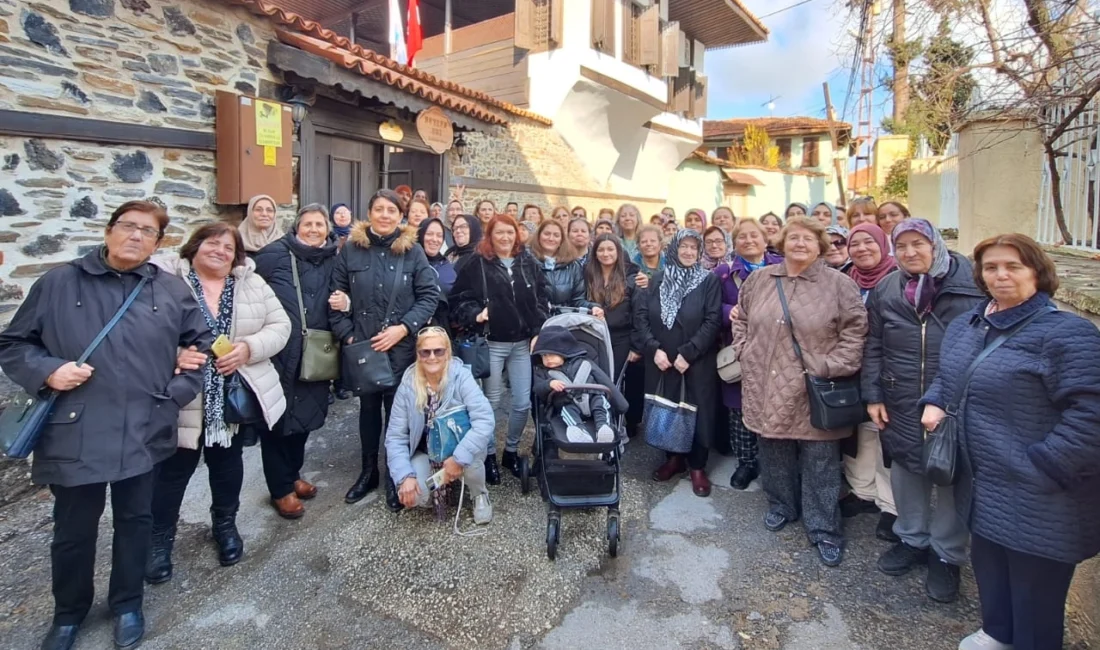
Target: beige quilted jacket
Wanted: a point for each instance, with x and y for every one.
(830, 323)
(260, 321)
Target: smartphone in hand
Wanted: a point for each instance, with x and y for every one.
(437, 480)
(222, 346)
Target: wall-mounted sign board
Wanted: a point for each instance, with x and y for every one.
(435, 129)
(255, 144)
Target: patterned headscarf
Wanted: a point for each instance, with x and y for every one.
(679, 280)
(921, 290)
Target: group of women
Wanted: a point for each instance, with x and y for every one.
(874, 293)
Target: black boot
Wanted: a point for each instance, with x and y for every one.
(492, 472)
(60, 637)
(510, 461)
(158, 566)
(393, 502)
(230, 544)
(367, 481)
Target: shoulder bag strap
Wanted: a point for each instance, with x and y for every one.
(790, 323)
(298, 291)
(111, 323)
(960, 392)
(393, 292)
(484, 293)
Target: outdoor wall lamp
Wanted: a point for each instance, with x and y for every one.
(460, 147)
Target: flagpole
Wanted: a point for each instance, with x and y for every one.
(446, 39)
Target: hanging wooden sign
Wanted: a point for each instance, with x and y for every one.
(435, 129)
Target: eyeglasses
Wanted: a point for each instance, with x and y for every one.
(837, 244)
(129, 227)
(425, 353)
(461, 228)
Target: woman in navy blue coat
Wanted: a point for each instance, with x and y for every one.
(1029, 482)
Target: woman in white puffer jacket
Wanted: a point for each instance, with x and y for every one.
(239, 304)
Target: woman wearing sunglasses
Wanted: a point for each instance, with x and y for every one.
(437, 384)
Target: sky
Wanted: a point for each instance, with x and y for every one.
(802, 51)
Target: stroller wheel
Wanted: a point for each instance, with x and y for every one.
(553, 532)
(525, 475)
(613, 534)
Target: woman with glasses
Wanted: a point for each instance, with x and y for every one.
(836, 256)
(436, 385)
(466, 230)
(366, 270)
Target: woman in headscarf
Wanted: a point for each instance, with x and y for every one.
(825, 213)
(430, 238)
(260, 226)
(796, 210)
(603, 227)
(341, 218)
(466, 231)
(695, 219)
(435, 211)
(837, 255)
(676, 329)
(716, 248)
(868, 476)
(909, 313)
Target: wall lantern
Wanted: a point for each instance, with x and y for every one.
(460, 147)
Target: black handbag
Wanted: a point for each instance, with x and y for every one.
(940, 451)
(473, 350)
(21, 423)
(835, 403)
(241, 404)
(365, 371)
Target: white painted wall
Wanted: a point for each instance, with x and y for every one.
(695, 184)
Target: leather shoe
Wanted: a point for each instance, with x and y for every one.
(305, 489)
(393, 501)
(367, 481)
(60, 637)
(230, 545)
(700, 484)
(289, 507)
(671, 467)
(509, 460)
(129, 629)
(492, 471)
(744, 475)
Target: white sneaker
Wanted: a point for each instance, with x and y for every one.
(605, 434)
(483, 510)
(577, 434)
(982, 641)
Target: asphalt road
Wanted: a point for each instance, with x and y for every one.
(692, 573)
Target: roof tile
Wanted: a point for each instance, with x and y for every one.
(772, 125)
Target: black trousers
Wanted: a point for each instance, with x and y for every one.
(372, 425)
(1023, 596)
(283, 457)
(635, 392)
(76, 513)
(698, 456)
(226, 470)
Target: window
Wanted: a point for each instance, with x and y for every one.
(809, 152)
(784, 145)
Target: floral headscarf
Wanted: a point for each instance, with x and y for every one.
(921, 290)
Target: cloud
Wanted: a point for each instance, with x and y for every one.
(801, 52)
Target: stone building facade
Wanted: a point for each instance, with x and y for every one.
(135, 62)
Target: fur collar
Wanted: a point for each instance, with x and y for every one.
(403, 244)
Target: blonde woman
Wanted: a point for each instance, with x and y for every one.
(435, 384)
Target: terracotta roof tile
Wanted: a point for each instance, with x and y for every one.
(386, 69)
(773, 125)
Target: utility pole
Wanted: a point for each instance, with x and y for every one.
(901, 64)
(835, 137)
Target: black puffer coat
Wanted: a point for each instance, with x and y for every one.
(518, 300)
(366, 270)
(567, 287)
(902, 354)
(620, 321)
(306, 402)
(122, 421)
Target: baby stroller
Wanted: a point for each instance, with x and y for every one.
(594, 480)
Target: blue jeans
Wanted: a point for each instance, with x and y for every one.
(516, 357)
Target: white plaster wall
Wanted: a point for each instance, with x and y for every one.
(695, 184)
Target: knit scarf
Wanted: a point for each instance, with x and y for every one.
(921, 289)
(215, 430)
(679, 280)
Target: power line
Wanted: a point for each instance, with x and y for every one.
(779, 11)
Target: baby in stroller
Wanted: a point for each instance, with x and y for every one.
(563, 363)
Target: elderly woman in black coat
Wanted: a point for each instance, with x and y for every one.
(909, 312)
(676, 328)
(115, 415)
(1029, 443)
(303, 258)
(382, 260)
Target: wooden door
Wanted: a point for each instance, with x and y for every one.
(345, 171)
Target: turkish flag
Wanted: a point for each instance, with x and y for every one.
(414, 41)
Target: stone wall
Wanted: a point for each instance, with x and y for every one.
(132, 62)
(530, 153)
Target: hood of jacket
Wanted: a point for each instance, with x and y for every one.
(406, 237)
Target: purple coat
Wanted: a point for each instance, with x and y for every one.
(732, 276)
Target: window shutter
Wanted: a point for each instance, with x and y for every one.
(809, 152)
(603, 26)
(700, 96)
(523, 32)
(556, 9)
(685, 50)
(650, 32)
(670, 50)
(784, 145)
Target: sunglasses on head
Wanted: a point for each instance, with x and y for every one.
(434, 329)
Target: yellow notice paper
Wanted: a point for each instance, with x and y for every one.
(269, 125)
(269, 156)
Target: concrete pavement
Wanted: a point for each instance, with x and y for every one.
(692, 573)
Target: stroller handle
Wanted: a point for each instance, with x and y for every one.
(565, 309)
(591, 389)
